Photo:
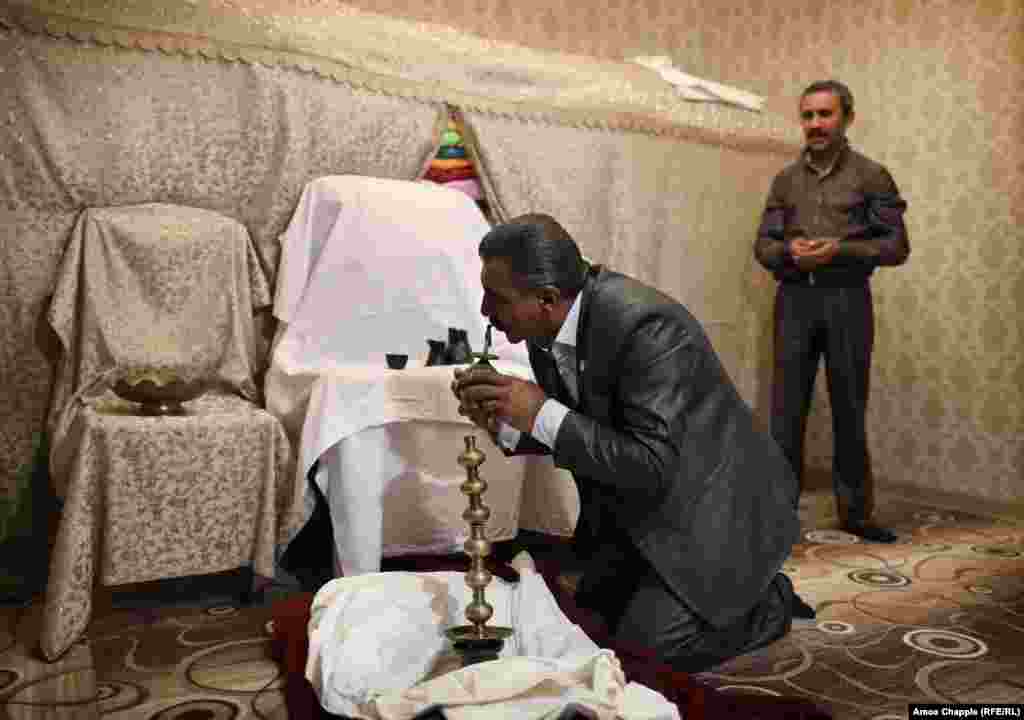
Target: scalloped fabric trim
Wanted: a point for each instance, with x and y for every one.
(707, 124)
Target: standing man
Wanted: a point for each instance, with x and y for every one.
(687, 511)
(831, 218)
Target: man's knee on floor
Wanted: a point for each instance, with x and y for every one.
(683, 639)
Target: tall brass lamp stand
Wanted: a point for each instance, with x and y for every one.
(477, 641)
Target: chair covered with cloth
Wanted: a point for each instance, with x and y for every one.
(372, 266)
(168, 289)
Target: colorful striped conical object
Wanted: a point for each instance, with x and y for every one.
(452, 166)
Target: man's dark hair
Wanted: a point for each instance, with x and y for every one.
(539, 251)
(836, 88)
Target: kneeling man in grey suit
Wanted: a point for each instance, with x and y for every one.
(686, 508)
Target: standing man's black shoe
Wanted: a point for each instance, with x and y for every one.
(872, 533)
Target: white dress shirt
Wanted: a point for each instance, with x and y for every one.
(552, 413)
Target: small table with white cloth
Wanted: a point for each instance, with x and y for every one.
(372, 266)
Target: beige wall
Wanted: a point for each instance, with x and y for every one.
(940, 98)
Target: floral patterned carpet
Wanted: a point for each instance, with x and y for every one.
(936, 617)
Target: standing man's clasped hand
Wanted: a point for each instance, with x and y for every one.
(813, 253)
(486, 397)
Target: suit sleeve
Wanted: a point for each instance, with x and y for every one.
(655, 389)
(528, 445)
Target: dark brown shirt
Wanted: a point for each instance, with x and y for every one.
(856, 200)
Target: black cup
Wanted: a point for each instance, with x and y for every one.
(459, 351)
(396, 361)
(437, 352)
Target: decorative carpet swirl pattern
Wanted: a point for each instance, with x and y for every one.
(933, 618)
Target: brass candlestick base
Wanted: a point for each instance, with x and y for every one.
(477, 641)
(473, 649)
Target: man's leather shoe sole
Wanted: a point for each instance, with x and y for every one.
(872, 533)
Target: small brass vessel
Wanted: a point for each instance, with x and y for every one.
(159, 391)
(483, 359)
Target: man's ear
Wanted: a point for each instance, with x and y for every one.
(848, 119)
(549, 296)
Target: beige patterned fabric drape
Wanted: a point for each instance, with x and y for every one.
(938, 89)
(251, 105)
(152, 287)
(164, 497)
(678, 215)
(165, 289)
(129, 102)
(414, 60)
(83, 123)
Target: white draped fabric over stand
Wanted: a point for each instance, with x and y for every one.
(393, 487)
(368, 267)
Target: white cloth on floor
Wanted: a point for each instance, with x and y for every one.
(375, 639)
(373, 633)
(531, 688)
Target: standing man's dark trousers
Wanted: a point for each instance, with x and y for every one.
(837, 322)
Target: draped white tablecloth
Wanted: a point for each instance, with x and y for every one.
(371, 266)
(389, 442)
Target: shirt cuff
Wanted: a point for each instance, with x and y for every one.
(549, 420)
(787, 254)
(508, 436)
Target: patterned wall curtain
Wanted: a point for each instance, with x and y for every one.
(676, 212)
(126, 103)
(94, 124)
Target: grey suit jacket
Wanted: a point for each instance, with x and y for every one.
(663, 448)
